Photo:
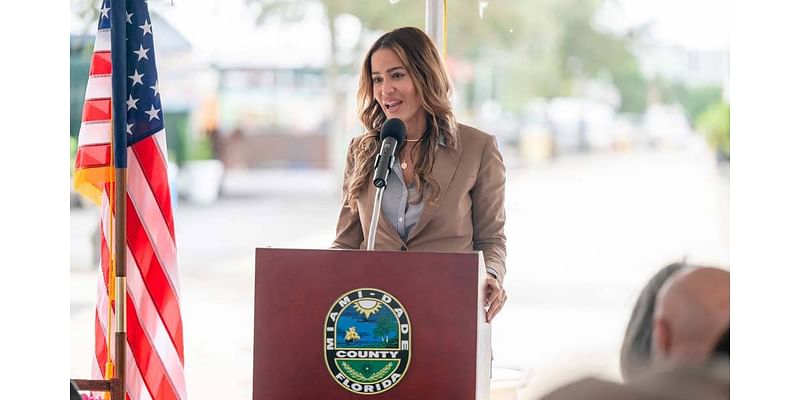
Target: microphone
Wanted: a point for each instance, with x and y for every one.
(392, 133)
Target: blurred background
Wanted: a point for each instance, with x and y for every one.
(612, 117)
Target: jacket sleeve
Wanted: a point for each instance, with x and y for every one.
(349, 234)
(488, 209)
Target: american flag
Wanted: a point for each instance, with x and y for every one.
(154, 325)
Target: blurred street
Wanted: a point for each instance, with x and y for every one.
(584, 232)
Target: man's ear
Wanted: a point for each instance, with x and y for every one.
(662, 337)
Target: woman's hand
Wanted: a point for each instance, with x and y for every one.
(495, 297)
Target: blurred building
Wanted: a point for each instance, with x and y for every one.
(257, 93)
(692, 67)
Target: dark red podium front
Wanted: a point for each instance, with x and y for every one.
(352, 324)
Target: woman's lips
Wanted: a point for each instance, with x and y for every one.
(392, 105)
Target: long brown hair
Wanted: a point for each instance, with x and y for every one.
(419, 56)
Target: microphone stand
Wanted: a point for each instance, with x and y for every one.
(392, 134)
(376, 213)
(376, 207)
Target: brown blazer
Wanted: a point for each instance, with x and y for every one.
(469, 216)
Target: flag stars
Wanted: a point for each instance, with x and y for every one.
(146, 28)
(137, 77)
(128, 17)
(153, 113)
(142, 53)
(155, 89)
(128, 129)
(104, 11)
(132, 102)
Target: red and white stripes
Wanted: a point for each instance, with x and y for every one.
(155, 349)
(154, 324)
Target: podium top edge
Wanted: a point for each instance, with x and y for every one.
(258, 249)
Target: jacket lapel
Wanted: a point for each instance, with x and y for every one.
(444, 167)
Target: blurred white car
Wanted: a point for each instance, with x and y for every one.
(666, 125)
(580, 124)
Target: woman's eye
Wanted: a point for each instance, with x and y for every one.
(376, 80)
(397, 75)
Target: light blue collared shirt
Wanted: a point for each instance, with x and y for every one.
(395, 207)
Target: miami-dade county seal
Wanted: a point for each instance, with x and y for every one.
(367, 341)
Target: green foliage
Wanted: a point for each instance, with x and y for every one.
(78, 79)
(73, 150)
(86, 13)
(202, 149)
(715, 123)
(73, 146)
(540, 48)
(694, 100)
(583, 49)
(374, 15)
(632, 86)
(176, 123)
(380, 15)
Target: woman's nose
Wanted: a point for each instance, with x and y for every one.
(387, 89)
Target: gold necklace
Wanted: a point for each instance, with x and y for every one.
(404, 164)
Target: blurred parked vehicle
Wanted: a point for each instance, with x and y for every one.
(666, 125)
(503, 124)
(580, 124)
(627, 132)
(536, 136)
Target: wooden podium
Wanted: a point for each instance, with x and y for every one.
(355, 324)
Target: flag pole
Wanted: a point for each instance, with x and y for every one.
(110, 290)
(120, 156)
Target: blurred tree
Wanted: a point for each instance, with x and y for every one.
(511, 45)
(585, 51)
(87, 12)
(373, 15)
(201, 149)
(73, 150)
(632, 86)
(715, 123)
(79, 62)
(694, 100)
(547, 48)
(179, 141)
(80, 55)
(539, 47)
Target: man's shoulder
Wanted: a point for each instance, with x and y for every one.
(594, 389)
(710, 382)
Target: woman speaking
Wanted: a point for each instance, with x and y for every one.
(447, 190)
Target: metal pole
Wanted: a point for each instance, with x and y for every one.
(376, 213)
(120, 222)
(435, 23)
(434, 12)
(120, 153)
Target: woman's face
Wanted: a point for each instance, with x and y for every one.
(394, 90)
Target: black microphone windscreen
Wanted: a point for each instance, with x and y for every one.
(394, 128)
